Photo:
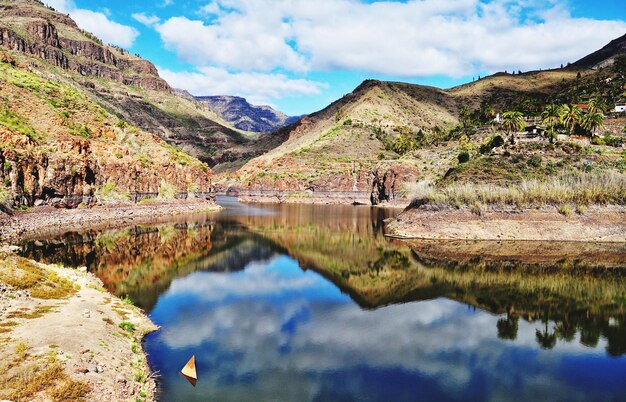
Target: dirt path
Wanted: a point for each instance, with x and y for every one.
(63, 337)
(597, 224)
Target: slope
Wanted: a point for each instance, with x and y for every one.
(376, 142)
(125, 85)
(60, 142)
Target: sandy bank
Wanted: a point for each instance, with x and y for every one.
(42, 221)
(601, 224)
(63, 337)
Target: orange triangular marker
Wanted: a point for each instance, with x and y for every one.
(190, 368)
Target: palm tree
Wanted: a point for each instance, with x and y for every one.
(571, 115)
(551, 118)
(597, 105)
(591, 122)
(512, 122)
(545, 338)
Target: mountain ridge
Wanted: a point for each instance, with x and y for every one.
(245, 116)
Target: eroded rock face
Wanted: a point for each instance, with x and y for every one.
(71, 176)
(86, 57)
(380, 184)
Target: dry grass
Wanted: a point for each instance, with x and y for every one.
(24, 378)
(582, 189)
(22, 274)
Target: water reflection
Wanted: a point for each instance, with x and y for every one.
(314, 303)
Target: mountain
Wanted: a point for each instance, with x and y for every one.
(124, 84)
(244, 116)
(79, 118)
(374, 144)
(381, 137)
(605, 56)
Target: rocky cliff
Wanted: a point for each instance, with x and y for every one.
(124, 84)
(245, 116)
(59, 147)
(29, 28)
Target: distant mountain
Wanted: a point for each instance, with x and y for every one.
(605, 56)
(245, 116)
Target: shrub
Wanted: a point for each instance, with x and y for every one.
(463, 157)
(494, 142)
(167, 191)
(110, 192)
(565, 210)
(127, 326)
(534, 161)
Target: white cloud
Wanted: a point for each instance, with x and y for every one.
(414, 38)
(258, 88)
(97, 23)
(148, 20)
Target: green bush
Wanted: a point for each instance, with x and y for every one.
(463, 157)
(535, 161)
(17, 123)
(405, 143)
(494, 142)
(110, 192)
(167, 191)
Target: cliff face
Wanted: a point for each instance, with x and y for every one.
(245, 116)
(59, 147)
(127, 86)
(39, 37)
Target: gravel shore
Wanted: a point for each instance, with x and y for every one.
(44, 221)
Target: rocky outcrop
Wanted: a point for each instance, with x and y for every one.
(86, 57)
(73, 174)
(383, 184)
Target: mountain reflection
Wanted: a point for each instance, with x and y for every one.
(570, 292)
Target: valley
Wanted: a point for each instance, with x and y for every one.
(404, 240)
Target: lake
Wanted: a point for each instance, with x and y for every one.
(313, 303)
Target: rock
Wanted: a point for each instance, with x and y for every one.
(120, 379)
(80, 370)
(86, 313)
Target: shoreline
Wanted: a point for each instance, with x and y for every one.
(435, 222)
(42, 221)
(320, 198)
(72, 339)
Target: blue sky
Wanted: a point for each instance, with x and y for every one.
(300, 55)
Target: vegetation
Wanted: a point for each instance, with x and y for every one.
(110, 193)
(42, 283)
(574, 188)
(167, 191)
(18, 124)
(512, 122)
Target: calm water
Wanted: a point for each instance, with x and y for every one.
(312, 303)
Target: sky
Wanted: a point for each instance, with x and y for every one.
(301, 55)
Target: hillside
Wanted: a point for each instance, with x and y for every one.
(375, 143)
(76, 118)
(127, 86)
(605, 56)
(245, 116)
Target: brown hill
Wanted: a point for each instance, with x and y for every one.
(355, 144)
(125, 85)
(74, 114)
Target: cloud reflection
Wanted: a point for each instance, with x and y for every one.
(263, 329)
